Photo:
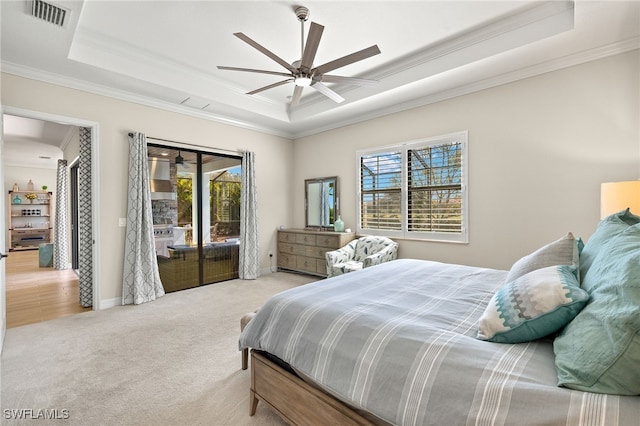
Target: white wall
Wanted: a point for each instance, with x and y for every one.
(116, 118)
(22, 175)
(538, 151)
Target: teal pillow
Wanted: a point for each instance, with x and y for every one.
(533, 306)
(560, 252)
(599, 351)
(608, 228)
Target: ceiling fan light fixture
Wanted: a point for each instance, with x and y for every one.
(302, 81)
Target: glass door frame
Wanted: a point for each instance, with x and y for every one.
(197, 192)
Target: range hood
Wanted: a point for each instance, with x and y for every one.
(160, 176)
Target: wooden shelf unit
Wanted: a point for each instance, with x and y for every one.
(29, 221)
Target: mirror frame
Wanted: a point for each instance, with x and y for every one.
(336, 202)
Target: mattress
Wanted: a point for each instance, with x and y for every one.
(398, 341)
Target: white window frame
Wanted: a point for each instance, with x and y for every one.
(404, 148)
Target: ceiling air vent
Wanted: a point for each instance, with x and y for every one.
(48, 12)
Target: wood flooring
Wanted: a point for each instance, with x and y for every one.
(37, 294)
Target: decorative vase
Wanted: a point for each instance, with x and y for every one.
(338, 225)
(17, 200)
(16, 187)
(30, 185)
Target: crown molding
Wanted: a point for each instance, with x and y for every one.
(523, 73)
(506, 32)
(97, 89)
(510, 77)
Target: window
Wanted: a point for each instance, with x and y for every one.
(415, 190)
(224, 198)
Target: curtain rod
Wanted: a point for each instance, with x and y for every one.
(189, 144)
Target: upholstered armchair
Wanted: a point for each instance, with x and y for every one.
(361, 253)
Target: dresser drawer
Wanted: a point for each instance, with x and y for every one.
(31, 231)
(287, 248)
(328, 241)
(317, 252)
(321, 266)
(287, 237)
(286, 260)
(307, 240)
(307, 264)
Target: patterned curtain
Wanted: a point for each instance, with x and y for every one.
(85, 226)
(141, 278)
(60, 246)
(248, 266)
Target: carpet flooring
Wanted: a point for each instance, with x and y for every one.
(174, 361)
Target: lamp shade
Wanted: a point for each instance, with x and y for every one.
(617, 196)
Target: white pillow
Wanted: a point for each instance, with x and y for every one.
(560, 252)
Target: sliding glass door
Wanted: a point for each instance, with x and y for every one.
(196, 212)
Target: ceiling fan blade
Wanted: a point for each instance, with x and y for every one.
(327, 92)
(252, 70)
(271, 86)
(348, 80)
(265, 51)
(311, 47)
(346, 60)
(297, 93)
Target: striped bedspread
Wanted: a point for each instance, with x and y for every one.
(398, 341)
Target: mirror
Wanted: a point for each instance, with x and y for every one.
(321, 202)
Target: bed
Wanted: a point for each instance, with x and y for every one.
(398, 343)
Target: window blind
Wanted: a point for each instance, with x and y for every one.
(435, 188)
(381, 191)
(415, 190)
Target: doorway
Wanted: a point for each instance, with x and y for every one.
(91, 131)
(197, 219)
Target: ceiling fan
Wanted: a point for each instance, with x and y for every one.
(179, 159)
(302, 73)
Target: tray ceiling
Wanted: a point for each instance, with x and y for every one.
(166, 53)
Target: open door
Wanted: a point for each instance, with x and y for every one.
(3, 246)
(74, 216)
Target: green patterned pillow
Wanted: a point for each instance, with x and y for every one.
(533, 306)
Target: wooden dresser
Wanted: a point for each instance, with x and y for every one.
(303, 251)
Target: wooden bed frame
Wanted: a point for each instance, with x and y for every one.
(297, 402)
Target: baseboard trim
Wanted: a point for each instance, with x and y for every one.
(266, 271)
(110, 303)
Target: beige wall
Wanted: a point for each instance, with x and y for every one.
(116, 118)
(538, 151)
